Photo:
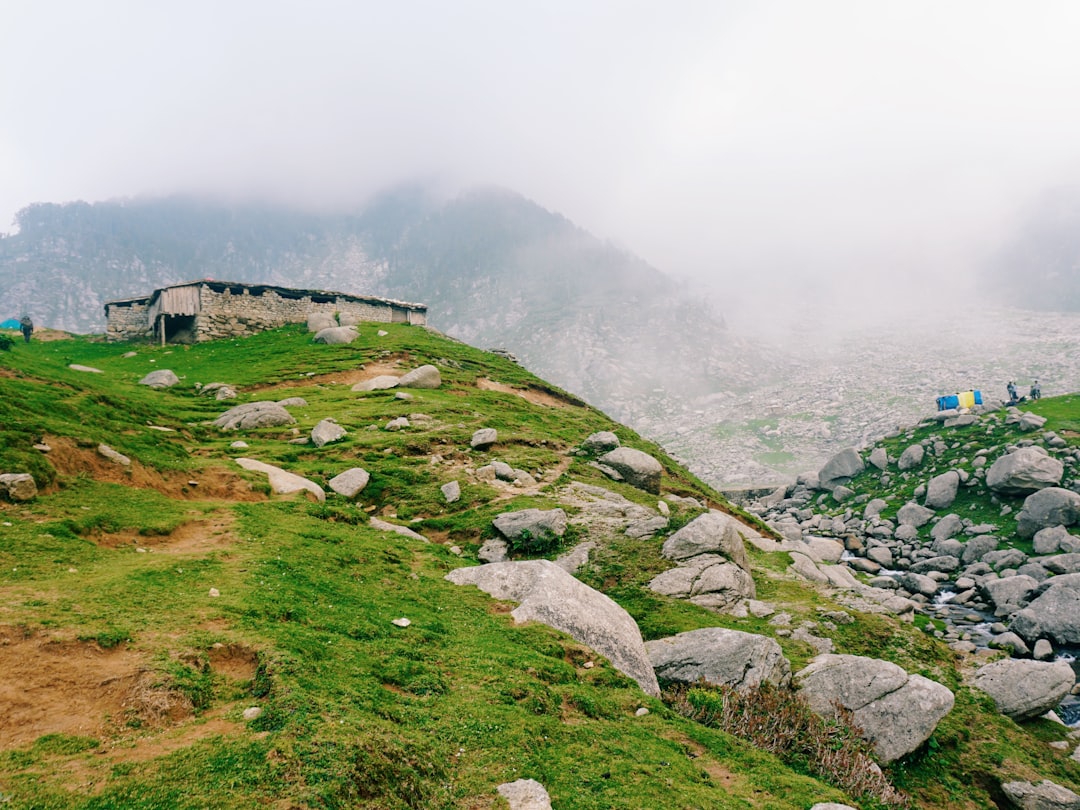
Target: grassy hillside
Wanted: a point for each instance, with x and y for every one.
(126, 678)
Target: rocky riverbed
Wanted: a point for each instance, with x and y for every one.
(824, 386)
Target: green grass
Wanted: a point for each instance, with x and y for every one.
(356, 711)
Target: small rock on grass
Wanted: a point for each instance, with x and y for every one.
(402, 622)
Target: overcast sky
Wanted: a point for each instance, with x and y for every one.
(870, 139)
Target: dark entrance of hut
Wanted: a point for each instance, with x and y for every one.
(177, 328)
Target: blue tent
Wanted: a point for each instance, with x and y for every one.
(10, 323)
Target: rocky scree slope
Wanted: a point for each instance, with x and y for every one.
(251, 580)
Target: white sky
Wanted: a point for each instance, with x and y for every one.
(871, 139)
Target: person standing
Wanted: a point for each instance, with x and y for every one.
(27, 327)
(1036, 390)
(1011, 387)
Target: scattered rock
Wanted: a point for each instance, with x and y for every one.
(1025, 470)
(897, 712)
(380, 383)
(318, 321)
(710, 533)
(350, 483)
(326, 431)
(911, 458)
(721, 657)
(637, 468)
(941, 490)
(336, 335)
(85, 369)
(1025, 689)
(451, 491)
(484, 438)
(601, 442)
(1052, 506)
(422, 377)
(107, 452)
(1046, 795)
(531, 525)
(548, 594)
(404, 531)
(398, 424)
(162, 378)
(18, 486)
(281, 481)
(253, 415)
(253, 713)
(525, 794)
(402, 622)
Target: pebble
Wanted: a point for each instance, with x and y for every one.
(402, 622)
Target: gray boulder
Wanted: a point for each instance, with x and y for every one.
(484, 438)
(379, 383)
(601, 442)
(638, 469)
(451, 491)
(1004, 558)
(945, 563)
(112, 455)
(840, 469)
(1046, 795)
(1052, 506)
(1024, 689)
(911, 514)
(874, 507)
(162, 378)
(281, 481)
(911, 458)
(18, 486)
(547, 594)
(326, 431)
(1009, 590)
(948, 526)
(1048, 540)
(1053, 614)
(897, 712)
(1062, 563)
(525, 794)
(879, 457)
(1031, 421)
(710, 533)
(350, 483)
(336, 335)
(494, 550)
(531, 524)
(318, 321)
(978, 547)
(404, 531)
(253, 415)
(708, 580)
(722, 657)
(918, 583)
(423, 377)
(941, 490)
(1023, 471)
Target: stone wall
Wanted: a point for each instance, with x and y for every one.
(128, 321)
(239, 310)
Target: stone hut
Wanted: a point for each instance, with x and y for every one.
(207, 310)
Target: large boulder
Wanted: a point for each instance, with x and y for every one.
(379, 383)
(423, 377)
(253, 415)
(1052, 506)
(879, 457)
(896, 711)
(721, 657)
(526, 525)
(710, 533)
(318, 321)
(1062, 563)
(941, 490)
(1045, 795)
(18, 486)
(484, 438)
(1024, 689)
(1009, 590)
(281, 481)
(336, 335)
(548, 594)
(637, 468)
(601, 442)
(840, 469)
(525, 794)
(1023, 471)
(326, 431)
(911, 514)
(162, 378)
(911, 458)
(350, 483)
(1054, 614)
(708, 580)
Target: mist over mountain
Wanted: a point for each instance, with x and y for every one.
(495, 269)
(1039, 266)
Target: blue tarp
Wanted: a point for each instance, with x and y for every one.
(10, 323)
(964, 399)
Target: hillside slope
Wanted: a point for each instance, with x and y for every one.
(146, 607)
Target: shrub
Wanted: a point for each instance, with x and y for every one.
(780, 721)
(6, 343)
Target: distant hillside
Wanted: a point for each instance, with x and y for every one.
(1040, 266)
(495, 269)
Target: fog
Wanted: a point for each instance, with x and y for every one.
(820, 153)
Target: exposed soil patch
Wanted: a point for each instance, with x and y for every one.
(537, 396)
(344, 377)
(234, 661)
(193, 537)
(61, 687)
(211, 483)
(45, 335)
(716, 771)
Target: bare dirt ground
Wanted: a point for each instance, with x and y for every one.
(344, 377)
(533, 395)
(194, 537)
(210, 483)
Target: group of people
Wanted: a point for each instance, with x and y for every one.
(1014, 398)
